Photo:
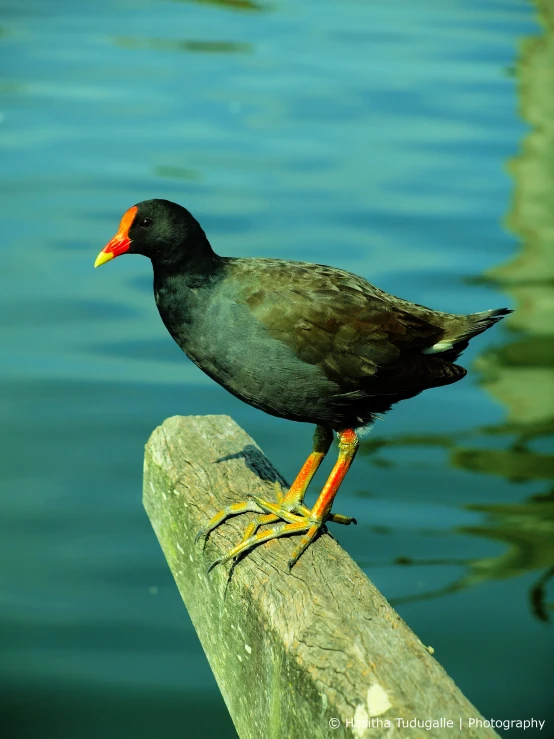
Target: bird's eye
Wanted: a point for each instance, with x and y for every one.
(146, 223)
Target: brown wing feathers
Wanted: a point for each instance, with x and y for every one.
(359, 335)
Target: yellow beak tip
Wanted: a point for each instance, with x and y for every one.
(102, 258)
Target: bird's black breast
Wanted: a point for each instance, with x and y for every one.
(219, 333)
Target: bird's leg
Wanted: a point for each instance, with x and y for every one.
(293, 500)
(297, 518)
(321, 512)
(323, 438)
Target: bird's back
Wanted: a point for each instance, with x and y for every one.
(316, 343)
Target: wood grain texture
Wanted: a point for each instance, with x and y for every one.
(289, 652)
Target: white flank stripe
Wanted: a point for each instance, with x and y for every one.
(441, 346)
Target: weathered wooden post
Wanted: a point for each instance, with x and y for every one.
(317, 653)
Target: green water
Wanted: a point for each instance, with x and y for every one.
(408, 142)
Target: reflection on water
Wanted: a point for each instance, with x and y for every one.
(165, 44)
(230, 4)
(180, 173)
(520, 372)
(527, 528)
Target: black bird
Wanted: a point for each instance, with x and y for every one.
(300, 341)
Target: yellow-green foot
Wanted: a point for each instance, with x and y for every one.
(248, 506)
(281, 529)
(294, 518)
(298, 508)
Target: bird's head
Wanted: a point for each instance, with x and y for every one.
(161, 230)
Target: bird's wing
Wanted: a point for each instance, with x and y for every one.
(345, 325)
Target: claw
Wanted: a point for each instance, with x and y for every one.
(199, 535)
(214, 564)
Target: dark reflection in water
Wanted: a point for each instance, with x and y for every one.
(229, 4)
(179, 173)
(519, 373)
(165, 44)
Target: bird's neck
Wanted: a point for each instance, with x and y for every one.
(195, 261)
(182, 290)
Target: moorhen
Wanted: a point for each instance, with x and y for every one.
(300, 341)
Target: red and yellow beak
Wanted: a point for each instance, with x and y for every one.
(120, 242)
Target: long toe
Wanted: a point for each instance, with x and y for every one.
(303, 510)
(311, 534)
(281, 529)
(278, 510)
(229, 511)
(251, 529)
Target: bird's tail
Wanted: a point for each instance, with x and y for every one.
(479, 322)
(456, 340)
